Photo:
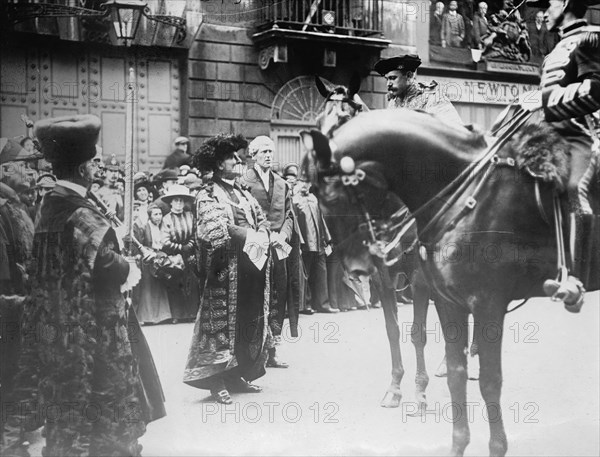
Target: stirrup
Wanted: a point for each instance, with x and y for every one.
(570, 292)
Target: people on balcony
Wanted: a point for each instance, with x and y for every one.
(453, 27)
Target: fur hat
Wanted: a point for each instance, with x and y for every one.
(216, 149)
(68, 139)
(408, 62)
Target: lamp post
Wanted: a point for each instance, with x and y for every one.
(125, 16)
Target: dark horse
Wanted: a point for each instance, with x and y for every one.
(480, 248)
(342, 104)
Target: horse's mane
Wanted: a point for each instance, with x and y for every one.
(541, 152)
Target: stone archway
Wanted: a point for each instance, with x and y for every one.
(295, 108)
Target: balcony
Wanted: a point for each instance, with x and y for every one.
(330, 22)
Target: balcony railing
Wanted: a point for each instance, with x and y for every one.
(359, 18)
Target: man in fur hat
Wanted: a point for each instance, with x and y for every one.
(570, 98)
(76, 348)
(400, 73)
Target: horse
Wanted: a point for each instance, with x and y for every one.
(341, 104)
(482, 223)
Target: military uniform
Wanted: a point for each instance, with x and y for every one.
(426, 98)
(417, 96)
(570, 87)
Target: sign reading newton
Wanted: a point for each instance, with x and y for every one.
(483, 92)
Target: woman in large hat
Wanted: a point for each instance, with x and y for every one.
(178, 239)
(228, 346)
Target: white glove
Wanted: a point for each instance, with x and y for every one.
(134, 276)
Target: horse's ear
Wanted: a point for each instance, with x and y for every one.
(307, 140)
(354, 86)
(321, 148)
(321, 87)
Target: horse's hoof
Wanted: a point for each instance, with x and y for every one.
(442, 372)
(391, 400)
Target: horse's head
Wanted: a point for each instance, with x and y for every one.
(355, 200)
(341, 104)
(372, 162)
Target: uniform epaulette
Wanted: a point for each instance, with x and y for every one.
(591, 37)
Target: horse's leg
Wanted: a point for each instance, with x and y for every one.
(489, 330)
(421, 293)
(454, 322)
(393, 395)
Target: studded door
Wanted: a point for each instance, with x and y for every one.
(47, 82)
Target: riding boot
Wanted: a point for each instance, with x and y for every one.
(586, 253)
(584, 246)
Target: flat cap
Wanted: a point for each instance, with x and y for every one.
(12, 151)
(168, 174)
(181, 140)
(408, 62)
(68, 139)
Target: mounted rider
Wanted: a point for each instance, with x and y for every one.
(405, 92)
(570, 99)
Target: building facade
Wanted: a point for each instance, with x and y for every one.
(244, 66)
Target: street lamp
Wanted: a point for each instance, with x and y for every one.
(125, 16)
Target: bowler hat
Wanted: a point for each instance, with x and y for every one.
(68, 139)
(168, 174)
(408, 62)
(192, 182)
(290, 170)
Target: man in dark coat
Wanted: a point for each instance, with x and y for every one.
(274, 196)
(76, 350)
(180, 155)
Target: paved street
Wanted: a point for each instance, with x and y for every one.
(327, 403)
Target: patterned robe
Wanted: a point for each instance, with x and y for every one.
(78, 369)
(231, 328)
